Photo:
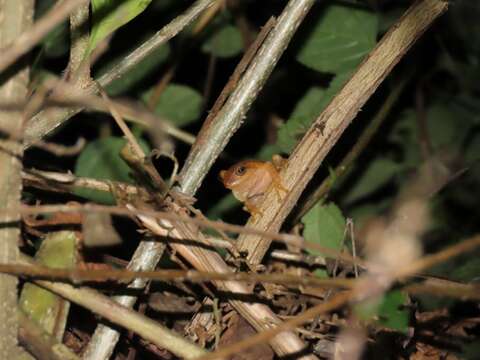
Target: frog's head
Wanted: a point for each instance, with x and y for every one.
(234, 175)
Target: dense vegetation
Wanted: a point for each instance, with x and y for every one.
(417, 136)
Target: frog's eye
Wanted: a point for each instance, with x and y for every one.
(240, 170)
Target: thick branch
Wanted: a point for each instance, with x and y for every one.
(329, 126)
(15, 19)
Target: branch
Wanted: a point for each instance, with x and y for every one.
(48, 120)
(67, 182)
(329, 126)
(79, 276)
(120, 315)
(341, 299)
(216, 133)
(15, 19)
(355, 151)
(20, 45)
(79, 62)
(105, 338)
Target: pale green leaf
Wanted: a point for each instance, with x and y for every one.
(224, 42)
(378, 173)
(386, 310)
(324, 225)
(48, 310)
(179, 104)
(101, 160)
(307, 109)
(109, 15)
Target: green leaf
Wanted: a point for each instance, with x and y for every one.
(109, 15)
(444, 130)
(378, 173)
(386, 311)
(339, 40)
(179, 104)
(324, 225)
(470, 351)
(307, 109)
(138, 73)
(467, 271)
(48, 310)
(225, 42)
(101, 160)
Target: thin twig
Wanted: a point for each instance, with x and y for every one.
(67, 182)
(140, 154)
(62, 150)
(79, 276)
(290, 239)
(135, 113)
(443, 287)
(431, 260)
(27, 40)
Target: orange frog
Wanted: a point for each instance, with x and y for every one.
(249, 181)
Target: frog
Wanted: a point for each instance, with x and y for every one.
(249, 181)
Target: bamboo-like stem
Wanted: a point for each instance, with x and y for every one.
(105, 338)
(328, 127)
(47, 120)
(15, 20)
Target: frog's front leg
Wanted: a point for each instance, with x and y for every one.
(252, 205)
